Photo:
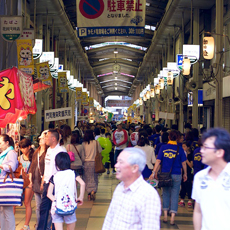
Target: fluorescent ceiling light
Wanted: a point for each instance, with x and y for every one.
(115, 78)
(115, 51)
(147, 4)
(115, 88)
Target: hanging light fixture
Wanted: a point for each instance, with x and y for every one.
(208, 47)
(98, 107)
(145, 98)
(157, 89)
(140, 101)
(152, 93)
(161, 83)
(170, 78)
(186, 66)
(148, 95)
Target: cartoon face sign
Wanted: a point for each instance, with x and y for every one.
(63, 82)
(84, 97)
(44, 72)
(25, 56)
(78, 94)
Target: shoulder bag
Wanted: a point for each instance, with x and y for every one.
(71, 155)
(11, 190)
(99, 167)
(164, 178)
(20, 173)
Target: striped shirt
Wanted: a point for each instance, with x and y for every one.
(134, 208)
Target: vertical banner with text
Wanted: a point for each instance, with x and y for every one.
(62, 82)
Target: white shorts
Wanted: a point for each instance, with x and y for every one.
(67, 219)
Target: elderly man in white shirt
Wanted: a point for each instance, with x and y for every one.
(135, 204)
(211, 187)
(52, 140)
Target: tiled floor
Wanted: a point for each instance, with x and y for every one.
(91, 215)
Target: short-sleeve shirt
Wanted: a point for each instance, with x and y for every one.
(213, 197)
(25, 163)
(166, 154)
(197, 163)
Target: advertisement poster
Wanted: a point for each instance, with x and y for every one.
(62, 82)
(43, 73)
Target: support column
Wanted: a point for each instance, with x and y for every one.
(181, 81)
(195, 69)
(219, 74)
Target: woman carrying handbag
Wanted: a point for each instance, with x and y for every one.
(8, 158)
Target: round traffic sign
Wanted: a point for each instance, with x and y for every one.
(91, 9)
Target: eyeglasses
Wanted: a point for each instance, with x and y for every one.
(206, 147)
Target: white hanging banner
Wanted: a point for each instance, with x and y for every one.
(48, 56)
(37, 50)
(58, 114)
(110, 18)
(192, 52)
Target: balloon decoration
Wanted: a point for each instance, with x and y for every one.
(107, 147)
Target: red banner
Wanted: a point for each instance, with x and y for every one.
(16, 96)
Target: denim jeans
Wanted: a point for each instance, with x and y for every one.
(7, 220)
(171, 194)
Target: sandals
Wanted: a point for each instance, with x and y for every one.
(93, 195)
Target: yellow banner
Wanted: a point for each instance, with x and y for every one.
(78, 93)
(62, 82)
(91, 102)
(84, 98)
(43, 73)
(25, 55)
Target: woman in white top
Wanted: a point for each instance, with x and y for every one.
(143, 143)
(89, 176)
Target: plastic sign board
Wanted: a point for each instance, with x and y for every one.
(58, 114)
(200, 98)
(28, 34)
(179, 58)
(37, 50)
(192, 52)
(11, 27)
(48, 56)
(110, 18)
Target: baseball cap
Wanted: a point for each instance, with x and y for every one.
(137, 126)
(118, 123)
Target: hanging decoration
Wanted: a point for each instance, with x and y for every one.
(78, 93)
(152, 94)
(140, 101)
(84, 98)
(62, 82)
(25, 55)
(161, 83)
(170, 78)
(157, 89)
(17, 100)
(186, 66)
(43, 73)
(208, 47)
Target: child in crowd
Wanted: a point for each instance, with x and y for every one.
(64, 178)
(186, 187)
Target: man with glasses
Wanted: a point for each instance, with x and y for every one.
(211, 187)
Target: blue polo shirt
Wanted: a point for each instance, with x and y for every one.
(166, 154)
(197, 163)
(154, 137)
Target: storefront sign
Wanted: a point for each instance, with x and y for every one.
(37, 50)
(11, 27)
(118, 103)
(111, 18)
(58, 114)
(25, 56)
(48, 56)
(192, 52)
(28, 34)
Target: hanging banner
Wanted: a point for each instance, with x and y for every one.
(17, 100)
(110, 18)
(54, 69)
(84, 98)
(25, 56)
(78, 93)
(48, 56)
(91, 102)
(28, 34)
(192, 52)
(37, 50)
(43, 73)
(11, 27)
(62, 82)
(58, 114)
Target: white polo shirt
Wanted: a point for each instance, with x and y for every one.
(214, 198)
(50, 168)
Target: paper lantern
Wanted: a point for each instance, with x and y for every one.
(208, 47)
(186, 66)
(161, 83)
(148, 95)
(157, 89)
(170, 78)
(152, 94)
(145, 98)
(140, 101)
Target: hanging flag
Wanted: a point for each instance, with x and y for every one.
(25, 56)
(91, 102)
(84, 98)
(43, 73)
(62, 82)
(17, 100)
(78, 93)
